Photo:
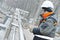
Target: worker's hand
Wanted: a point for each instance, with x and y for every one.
(55, 23)
(31, 28)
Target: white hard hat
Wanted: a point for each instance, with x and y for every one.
(48, 4)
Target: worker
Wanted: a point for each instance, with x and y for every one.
(47, 23)
(47, 13)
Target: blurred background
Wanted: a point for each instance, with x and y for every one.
(7, 9)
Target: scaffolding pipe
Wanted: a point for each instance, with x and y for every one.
(20, 25)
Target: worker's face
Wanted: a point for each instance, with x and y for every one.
(44, 10)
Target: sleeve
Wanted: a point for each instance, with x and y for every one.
(36, 31)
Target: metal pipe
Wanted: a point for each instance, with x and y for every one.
(9, 28)
(20, 25)
(19, 11)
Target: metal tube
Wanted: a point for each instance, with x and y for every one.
(20, 25)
